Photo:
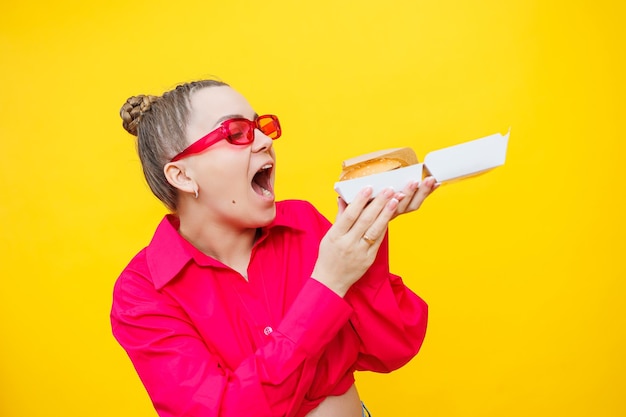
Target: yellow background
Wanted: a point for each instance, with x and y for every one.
(523, 268)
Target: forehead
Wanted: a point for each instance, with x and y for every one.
(210, 105)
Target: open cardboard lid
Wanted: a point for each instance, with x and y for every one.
(469, 158)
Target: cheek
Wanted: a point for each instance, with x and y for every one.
(224, 172)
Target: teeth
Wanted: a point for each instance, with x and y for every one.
(267, 166)
(266, 193)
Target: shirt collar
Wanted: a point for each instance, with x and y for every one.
(169, 253)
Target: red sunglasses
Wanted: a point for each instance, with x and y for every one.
(238, 131)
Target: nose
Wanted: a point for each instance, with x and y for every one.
(262, 142)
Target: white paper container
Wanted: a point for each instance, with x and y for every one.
(452, 163)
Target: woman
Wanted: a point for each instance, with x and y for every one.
(244, 306)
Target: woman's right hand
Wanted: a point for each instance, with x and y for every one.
(350, 246)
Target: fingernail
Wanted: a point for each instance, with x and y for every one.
(428, 181)
(388, 192)
(392, 204)
(399, 196)
(367, 191)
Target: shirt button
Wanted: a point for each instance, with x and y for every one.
(268, 330)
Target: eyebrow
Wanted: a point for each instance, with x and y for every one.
(232, 116)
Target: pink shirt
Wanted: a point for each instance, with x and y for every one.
(206, 342)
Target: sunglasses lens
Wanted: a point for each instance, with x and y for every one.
(240, 132)
(269, 126)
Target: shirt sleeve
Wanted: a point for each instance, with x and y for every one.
(184, 378)
(389, 318)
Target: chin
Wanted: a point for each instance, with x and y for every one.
(264, 217)
(270, 215)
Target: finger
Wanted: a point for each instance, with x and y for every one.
(350, 213)
(376, 231)
(370, 213)
(341, 206)
(406, 196)
(425, 189)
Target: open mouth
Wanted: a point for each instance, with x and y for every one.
(261, 183)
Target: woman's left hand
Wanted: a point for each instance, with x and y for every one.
(414, 194)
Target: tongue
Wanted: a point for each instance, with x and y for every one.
(259, 185)
(257, 188)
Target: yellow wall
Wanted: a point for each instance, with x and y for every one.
(523, 268)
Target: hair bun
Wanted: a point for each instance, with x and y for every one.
(132, 111)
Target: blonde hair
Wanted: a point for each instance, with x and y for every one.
(159, 124)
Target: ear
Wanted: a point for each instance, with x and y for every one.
(176, 174)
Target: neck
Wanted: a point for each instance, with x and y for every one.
(229, 245)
